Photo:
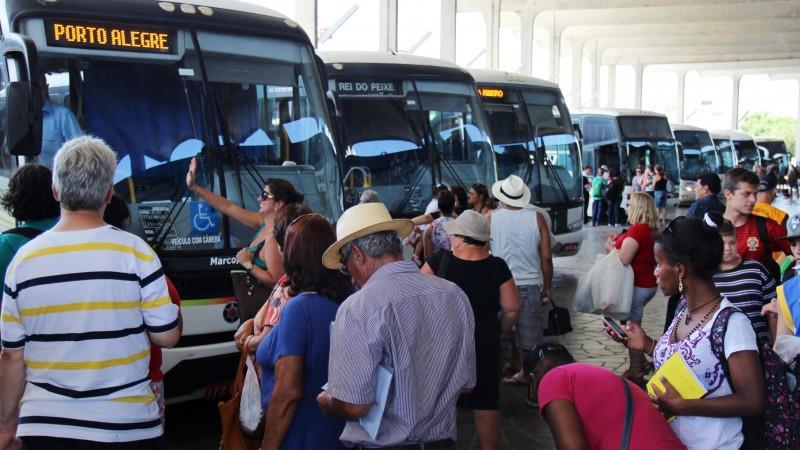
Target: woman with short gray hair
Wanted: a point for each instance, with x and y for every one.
(83, 174)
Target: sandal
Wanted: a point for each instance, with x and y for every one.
(514, 381)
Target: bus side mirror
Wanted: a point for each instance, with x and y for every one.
(577, 130)
(23, 119)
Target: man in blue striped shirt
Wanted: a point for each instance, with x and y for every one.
(422, 327)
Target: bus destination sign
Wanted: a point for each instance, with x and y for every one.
(110, 36)
(369, 87)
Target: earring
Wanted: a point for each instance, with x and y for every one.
(680, 284)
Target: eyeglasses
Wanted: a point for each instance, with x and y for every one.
(267, 196)
(669, 230)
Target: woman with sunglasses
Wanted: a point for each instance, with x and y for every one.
(262, 258)
(688, 254)
(294, 355)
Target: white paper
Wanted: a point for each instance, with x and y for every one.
(371, 421)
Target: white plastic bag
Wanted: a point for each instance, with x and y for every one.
(250, 412)
(606, 289)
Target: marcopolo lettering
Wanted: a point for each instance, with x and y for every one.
(217, 261)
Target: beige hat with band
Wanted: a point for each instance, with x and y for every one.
(512, 191)
(471, 224)
(359, 221)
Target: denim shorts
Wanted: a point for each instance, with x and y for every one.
(641, 297)
(661, 199)
(532, 319)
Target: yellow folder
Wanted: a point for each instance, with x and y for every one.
(680, 376)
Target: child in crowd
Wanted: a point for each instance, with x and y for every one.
(793, 236)
(745, 283)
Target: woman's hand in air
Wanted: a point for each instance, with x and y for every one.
(191, 181)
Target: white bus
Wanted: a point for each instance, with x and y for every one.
(698, 156)
(233, 84)
(746, 150)
(776, 152)
(626, 139)
(727, 152)
(405, 124)
(533, 138)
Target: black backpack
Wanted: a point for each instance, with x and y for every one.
(766, 259)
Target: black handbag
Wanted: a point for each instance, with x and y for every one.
(558, 321)
(250, 293)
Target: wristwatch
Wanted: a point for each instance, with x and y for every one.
(248, 265)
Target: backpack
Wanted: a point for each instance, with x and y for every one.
(779, 426)
(770, 264)
(28, 232)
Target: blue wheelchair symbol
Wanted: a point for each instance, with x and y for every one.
(204, 218)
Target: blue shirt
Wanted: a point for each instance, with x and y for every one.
(304, 330)
(709, 203)
(58, 126)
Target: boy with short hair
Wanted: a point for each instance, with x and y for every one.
(745, 283)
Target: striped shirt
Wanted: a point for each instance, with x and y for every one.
(423, 327)
(749, 286)
(80, 304)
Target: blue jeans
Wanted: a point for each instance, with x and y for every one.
(598, 210)
(613, 212)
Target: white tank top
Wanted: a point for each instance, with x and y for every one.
(515, 238)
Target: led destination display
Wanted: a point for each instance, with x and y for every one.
(110, 36)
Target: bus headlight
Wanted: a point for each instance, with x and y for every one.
(575, 226)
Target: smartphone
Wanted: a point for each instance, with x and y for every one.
(611, 323)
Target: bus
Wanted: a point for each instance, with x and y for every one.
(698, 156)
(626, 139)
(727, 152)
(746, 149)
(533, 138)
(776, 152)
(236, 86)
(406, 124)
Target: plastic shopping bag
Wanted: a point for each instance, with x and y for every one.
(606, 289)
(250, 407)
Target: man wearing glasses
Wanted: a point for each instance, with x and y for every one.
(417, 327)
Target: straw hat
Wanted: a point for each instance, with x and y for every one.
(359, 221)
(512, 191)
(471, 224)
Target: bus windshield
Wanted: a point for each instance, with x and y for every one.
(258, 113)
(778, 154)
(727, 155)
(533, 138)
(749, 157)
(646, 153)
(698, 155)
(409, 137)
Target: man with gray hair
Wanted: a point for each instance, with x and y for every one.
(418, 327)
(83, 302)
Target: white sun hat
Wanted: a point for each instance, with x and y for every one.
(471, 224)
(512, 191)
(359, 221)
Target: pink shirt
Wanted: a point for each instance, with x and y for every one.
(599, 398)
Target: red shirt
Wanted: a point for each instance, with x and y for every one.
(155, 352)
(599, 398)
(644, 261)
(750, 246)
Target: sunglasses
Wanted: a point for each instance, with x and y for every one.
(267, 196)
(669, 230)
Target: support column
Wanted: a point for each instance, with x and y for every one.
(735, 104)
(492, 16)
(577, 60)
(306, 13)
(447, 49)
(526, 47)
(596, 74)
(612, 85)
(680, 113)
(797, 132)
(388, 25)
(637, 93)
(555, 54)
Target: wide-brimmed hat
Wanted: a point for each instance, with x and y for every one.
(471, 224)
(512, 191)
(359, 221)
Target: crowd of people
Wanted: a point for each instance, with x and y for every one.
(355, 347)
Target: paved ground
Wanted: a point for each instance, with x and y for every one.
(195, 425)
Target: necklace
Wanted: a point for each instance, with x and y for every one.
(696, 327)
(690, 312)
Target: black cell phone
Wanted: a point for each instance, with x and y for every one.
(611, 323)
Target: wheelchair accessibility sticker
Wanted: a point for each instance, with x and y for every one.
(204, 218)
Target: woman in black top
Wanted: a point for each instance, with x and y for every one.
(488, 283)
(660, 191)
(613, 197)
